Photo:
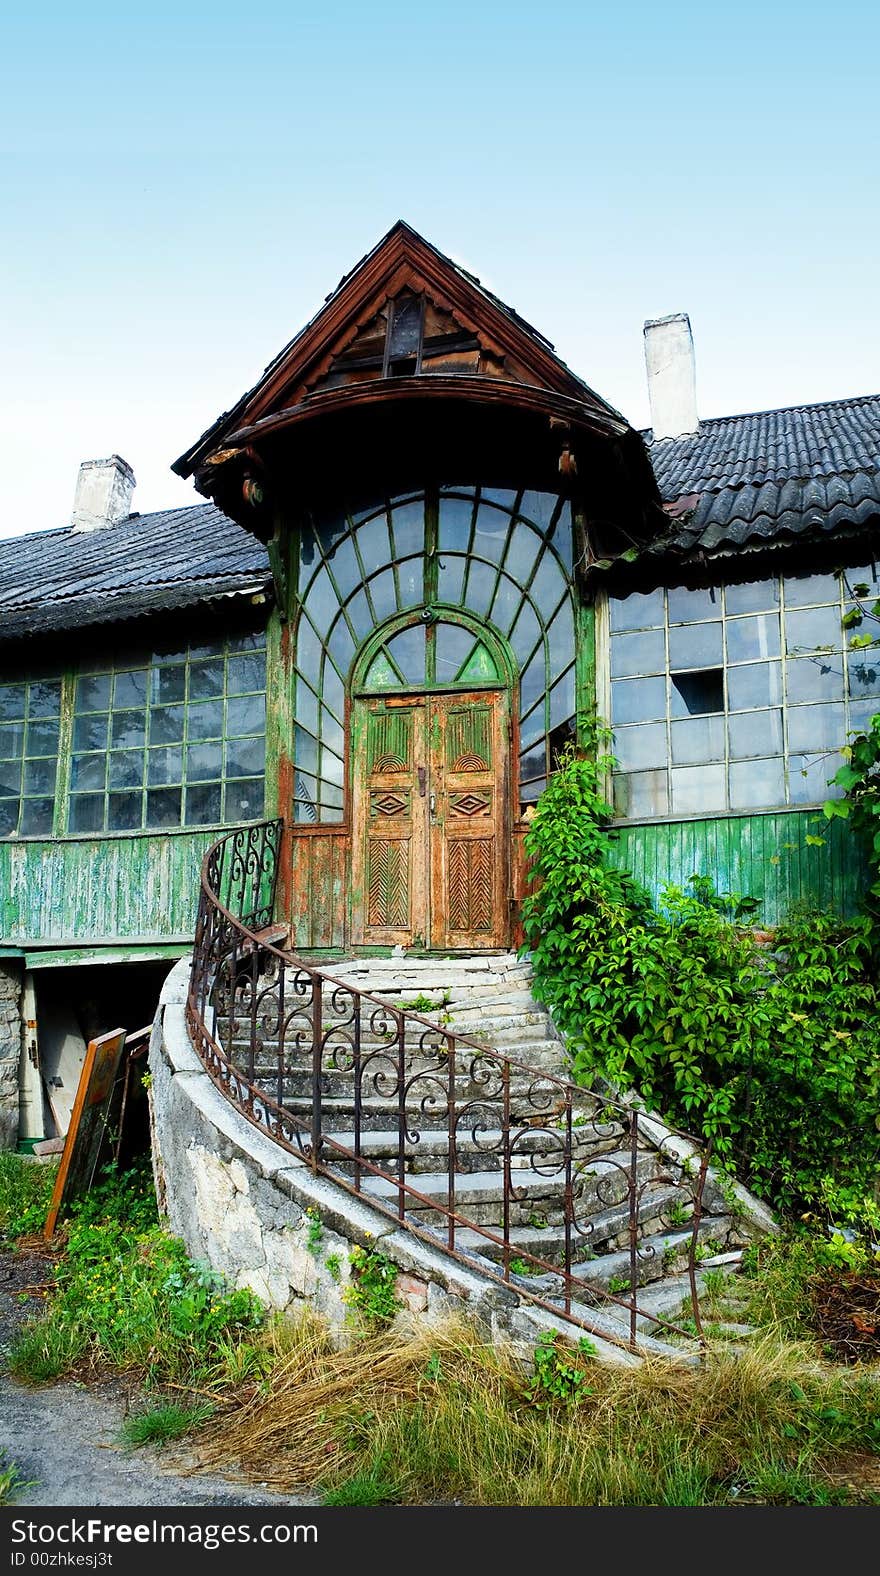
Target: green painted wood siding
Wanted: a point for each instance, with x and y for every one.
(762, 856)
(80, 890)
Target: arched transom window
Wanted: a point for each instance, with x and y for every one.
(503, 557)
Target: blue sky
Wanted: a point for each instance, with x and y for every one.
(182, 186)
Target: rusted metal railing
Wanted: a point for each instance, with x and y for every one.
(362, 1089)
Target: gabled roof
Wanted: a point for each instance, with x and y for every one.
(472, 338)
(149, 563)
(746, 481)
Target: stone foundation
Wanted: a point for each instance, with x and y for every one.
(10, 1051)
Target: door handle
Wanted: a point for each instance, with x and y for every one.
(432, 805)
(423, 781)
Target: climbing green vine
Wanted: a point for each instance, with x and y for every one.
(773, 1053)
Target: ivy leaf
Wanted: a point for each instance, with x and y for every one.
(858, 641)
(847, 777)
(851, 618)
(836, 807)
(813, 842)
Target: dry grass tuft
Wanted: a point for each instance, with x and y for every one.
(445, 1417)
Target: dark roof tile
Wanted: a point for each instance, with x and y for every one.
(55, 580)
(809, 469)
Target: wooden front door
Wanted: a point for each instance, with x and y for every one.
(430, 783)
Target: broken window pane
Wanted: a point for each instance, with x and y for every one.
(692, 694)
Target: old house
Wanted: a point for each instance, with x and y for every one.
(423, 549)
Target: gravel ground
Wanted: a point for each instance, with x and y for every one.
(64, 1439)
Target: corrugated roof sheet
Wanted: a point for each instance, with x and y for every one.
(807, 470)
(56, 580)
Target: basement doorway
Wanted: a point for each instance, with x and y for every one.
(65, 1007)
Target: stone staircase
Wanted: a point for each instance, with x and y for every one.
(488, 998)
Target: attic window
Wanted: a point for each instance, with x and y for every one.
(404, 344)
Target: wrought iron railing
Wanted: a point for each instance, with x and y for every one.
(363, 1089)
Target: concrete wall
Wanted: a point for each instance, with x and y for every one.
(10, 1051)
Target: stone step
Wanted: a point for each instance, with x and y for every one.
(430, 1152)
(338, 1112)
(659, 1254)
(606, 1229)
(478, 1196)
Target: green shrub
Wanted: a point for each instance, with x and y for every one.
(773, 1056)
(128, 1295)
(25, 1190)
(371, 1294)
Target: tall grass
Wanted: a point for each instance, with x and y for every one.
(25, 1190)
(443, 1417)
(127, 1296)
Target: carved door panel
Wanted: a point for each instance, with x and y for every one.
(468, 748)
(390, 827)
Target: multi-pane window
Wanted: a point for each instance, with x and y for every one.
(737, 697)
(501, 554)
(29, 726)
(169, 739)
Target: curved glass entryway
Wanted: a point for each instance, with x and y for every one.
(501, 555)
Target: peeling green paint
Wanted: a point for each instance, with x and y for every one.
(763, 856)
(97, 889)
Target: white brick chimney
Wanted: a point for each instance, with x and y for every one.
(104, 490)
(672, 384)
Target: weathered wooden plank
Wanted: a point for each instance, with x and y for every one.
(316, 912)
(140, 887)
(763, 856)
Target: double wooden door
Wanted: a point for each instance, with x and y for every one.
(430, 835)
